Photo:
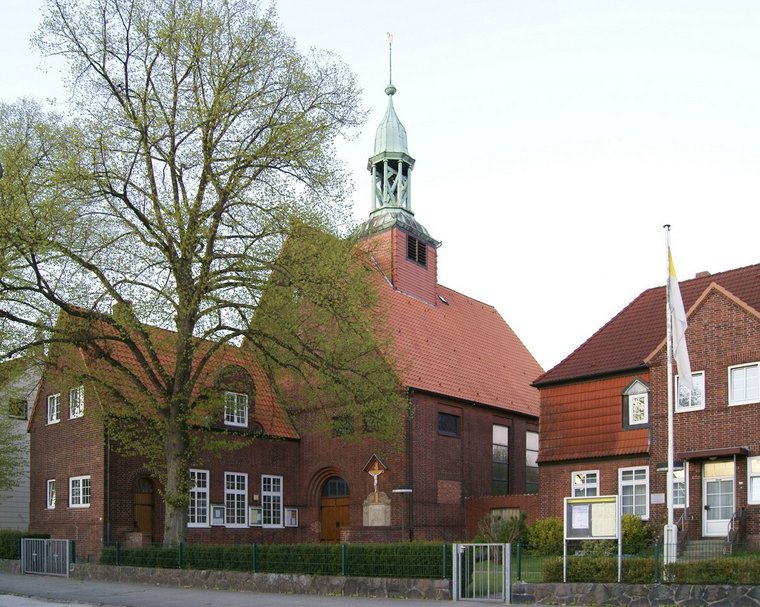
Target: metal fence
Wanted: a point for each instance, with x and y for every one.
(697, 562)
(481, 572)
(46, 556)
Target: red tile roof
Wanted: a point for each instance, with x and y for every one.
(266, 409)
(460, 348)
(629, 338)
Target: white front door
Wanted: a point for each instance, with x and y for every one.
(717, 498)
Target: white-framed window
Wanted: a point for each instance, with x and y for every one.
(76, 402)
(636, 404)
(680, 486)
(236, 409)
(50, 494)
(744, 384)
(634, 491)
(54, 408)
(694, 399)
(80, 491)
(271, 501)
(753, 480)
(531, 462)
(499, 460)
(585, 483)
(235, 499)
(197, 507)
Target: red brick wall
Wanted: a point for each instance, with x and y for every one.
(69, 448)
(721, 333)
(389, 249)
(555, 480)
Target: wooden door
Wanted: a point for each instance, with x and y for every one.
(144, 506)
(334, 515)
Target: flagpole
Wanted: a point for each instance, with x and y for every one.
(669, 532)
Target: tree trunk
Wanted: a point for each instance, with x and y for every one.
(176, 496)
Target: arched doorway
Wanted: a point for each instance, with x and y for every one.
(144, 503)
(333, 506)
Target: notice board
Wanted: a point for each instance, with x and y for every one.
(592, 518)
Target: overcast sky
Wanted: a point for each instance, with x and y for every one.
(553, 139)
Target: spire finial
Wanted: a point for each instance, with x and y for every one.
(390, 89)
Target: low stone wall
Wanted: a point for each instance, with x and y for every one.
(397, 588)
(636, 595)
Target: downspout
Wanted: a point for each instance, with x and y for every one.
(410, 459)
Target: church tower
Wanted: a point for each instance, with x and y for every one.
(401, 245)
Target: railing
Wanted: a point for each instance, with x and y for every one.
(45, 556)
(735, 530)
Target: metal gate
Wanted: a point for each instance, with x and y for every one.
(50, 557)
(482, 572)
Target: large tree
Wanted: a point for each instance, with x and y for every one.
(196, 138)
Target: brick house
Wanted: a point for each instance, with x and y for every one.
(604, 426)
(469, 443)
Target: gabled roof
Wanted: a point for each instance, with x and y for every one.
(266, 409)
(460, 348)
(626, 341)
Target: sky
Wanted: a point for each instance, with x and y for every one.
(553, 139)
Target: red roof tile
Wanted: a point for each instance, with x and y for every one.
(461, 348)
(629, 338)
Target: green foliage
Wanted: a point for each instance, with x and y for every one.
(495, 530)
(546, 536)
(422, 560)
(637, 534)
(727, 570)
(600, 569)
(10, 542)
(162, 197)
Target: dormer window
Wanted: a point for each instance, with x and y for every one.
(636, 404)
(416, 250)
(236, 409)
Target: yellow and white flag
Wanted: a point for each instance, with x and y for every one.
(678, 324)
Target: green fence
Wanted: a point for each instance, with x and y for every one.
(698, 563)
(409, 560)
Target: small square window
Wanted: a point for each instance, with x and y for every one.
(744, 384)
(448, 424)
(79, 491)
(694, 399)
(17, 408)
(585, 483)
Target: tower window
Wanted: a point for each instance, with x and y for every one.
(416, 250)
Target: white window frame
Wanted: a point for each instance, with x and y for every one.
(581, 489)
(746, 400)
(54, 408)
(634, 482)
(753, 478)
(235, 499)
(199, 498)
(271, 501)
(76, 402)
(685, 471)
(236, 409)
(637, 390)
(80, 491)
(697, 380)
(50, 493)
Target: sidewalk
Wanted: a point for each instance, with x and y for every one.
(73, 592)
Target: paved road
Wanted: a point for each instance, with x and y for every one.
(46, 591)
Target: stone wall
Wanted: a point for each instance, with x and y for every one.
(398, 588)
(635, 595)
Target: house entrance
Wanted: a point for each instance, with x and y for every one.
(144, 498)
(333, 508)
(717, 497)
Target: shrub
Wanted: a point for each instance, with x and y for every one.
(546, 537)
(600, 569)
(510, 531)
(637, 535)
(10, 542)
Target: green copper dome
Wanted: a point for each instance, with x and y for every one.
(391, 134)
